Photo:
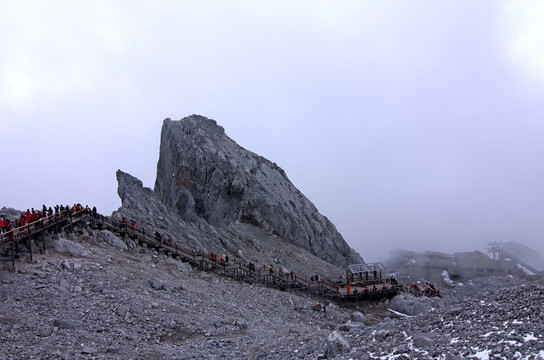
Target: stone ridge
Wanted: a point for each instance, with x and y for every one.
(202, 173)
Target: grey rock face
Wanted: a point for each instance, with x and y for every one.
(65, 324)
(423, 341)
(67, 246)
(358, 316)
(143, 206)
(110, 238)
(336, 345)
(350, 325)
(410, 305)
(204, 174)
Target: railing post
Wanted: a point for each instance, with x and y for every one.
(12, 255)
(30, 246)
(43, 236)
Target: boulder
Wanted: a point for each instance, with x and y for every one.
(336, 345)
(423, 342)
(351, 325)
(65, 324)
(110, 238)
(357, 316)
(62, 245)
(408, 304)
(381, 335)
(157, 284)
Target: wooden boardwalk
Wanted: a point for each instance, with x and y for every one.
(23, 239)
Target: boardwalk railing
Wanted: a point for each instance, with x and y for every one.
(238, 268)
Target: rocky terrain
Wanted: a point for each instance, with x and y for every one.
(95, 295)
(89, 299)
(240, 240)
(95, 300)
(212, 195)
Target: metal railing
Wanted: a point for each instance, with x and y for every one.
(235, 268)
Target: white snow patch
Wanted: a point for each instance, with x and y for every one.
(446, 276)
(399, 313)
(392, 357)
(529, 337)
(483, 354)
(517, 322)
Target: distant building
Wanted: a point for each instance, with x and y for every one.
(526, 257)
(438, 260)
(476, 264)
(508, 258)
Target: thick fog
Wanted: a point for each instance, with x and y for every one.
(411, 125)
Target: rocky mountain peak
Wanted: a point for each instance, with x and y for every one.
(204, 174)
(125, 183)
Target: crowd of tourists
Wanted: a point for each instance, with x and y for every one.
(9, 227)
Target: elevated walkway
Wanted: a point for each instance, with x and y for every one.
(21, 240)
(505, 254)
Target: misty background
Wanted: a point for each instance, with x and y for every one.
(414, 125)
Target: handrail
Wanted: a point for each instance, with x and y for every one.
(508, 254)
(39, 225)
(195, 257)
(149, 237)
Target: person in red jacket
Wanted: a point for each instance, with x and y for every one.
(8, 229)
(2, 224)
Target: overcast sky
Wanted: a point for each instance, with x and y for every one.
(409, 124)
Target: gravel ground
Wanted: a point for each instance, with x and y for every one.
(128, 305)
(122, 304)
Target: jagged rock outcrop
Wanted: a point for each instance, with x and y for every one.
(142, 205)
(204, 174)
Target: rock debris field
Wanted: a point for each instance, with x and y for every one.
(92, 300)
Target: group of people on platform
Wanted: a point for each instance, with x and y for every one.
(8, 226)
(223, 261)
(317, 279)
(366, 289)
(281, 272)
(123, 224)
